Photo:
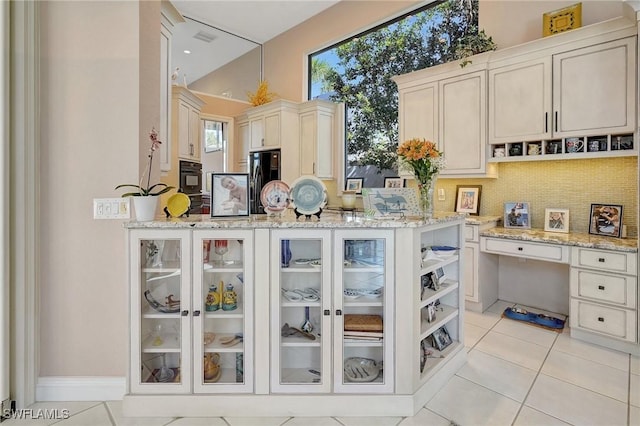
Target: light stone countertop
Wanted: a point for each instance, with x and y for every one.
(328, 219)
(570, 239)
(481, 220)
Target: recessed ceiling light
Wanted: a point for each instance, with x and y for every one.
(187, 52)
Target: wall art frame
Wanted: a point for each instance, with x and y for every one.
(606, 220)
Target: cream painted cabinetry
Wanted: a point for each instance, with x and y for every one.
(317, 138)
(604, 300)
(186, 122)
(273, 125)
(480, 270)
(241, 150)
(577, 85)
(448, 105)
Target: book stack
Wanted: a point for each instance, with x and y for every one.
(363, 327)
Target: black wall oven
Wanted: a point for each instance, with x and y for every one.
(191, 184)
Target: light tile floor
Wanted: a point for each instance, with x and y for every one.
(516, 374)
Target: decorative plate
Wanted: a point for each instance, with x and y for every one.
(178, 204)
(275, 196)
(308, 195)
(358, 369)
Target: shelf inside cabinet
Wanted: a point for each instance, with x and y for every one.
(170, 343)
(227, 375)
(433, 264)
(363, 302)
(442, 317)
(433, 362)
(235, 266)
(216, 346)
(431, 295)
(236, 313)
(299, 375)
(363, 343)
(301, 268)
(149, 312)
(300, 341)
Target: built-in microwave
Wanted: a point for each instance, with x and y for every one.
(190, 177)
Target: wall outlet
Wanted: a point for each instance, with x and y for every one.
(441, 194)
(111, 208)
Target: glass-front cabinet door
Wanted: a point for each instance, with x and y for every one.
(363, 307)
(223, 311)
(160, 313)
(301, 310)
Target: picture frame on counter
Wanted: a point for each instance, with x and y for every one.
(606, 220)
(556, 220)
(390, 202)
(354, 184)
(394, 182)
(517, 215)
(229, 195)
(468, 199)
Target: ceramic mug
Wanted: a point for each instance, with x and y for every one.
(515, 150)
(554, 147)
(574, 145)
(498, 152)
(534, 149)
(593, 146)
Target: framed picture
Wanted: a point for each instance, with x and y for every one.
(441, 338)
(606, 219)
(394, 182)
(516, 215)
(468, 199)
(556, 220)
(390, 202)
(354, 184)
(229, 194)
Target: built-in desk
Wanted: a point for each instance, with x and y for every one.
(592, 279)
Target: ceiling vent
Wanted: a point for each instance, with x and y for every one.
(204, 36)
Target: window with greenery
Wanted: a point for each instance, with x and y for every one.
(214, 135)
(358, 72)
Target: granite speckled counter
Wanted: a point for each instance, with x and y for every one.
(328, 219)
(481, 220)
(570, 239)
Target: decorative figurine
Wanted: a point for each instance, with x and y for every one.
(229, 299)
(213, 299)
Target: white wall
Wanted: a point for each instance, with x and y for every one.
(90, 143)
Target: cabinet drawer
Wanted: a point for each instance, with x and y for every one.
(471, 233)
(608, 288)
(605, 260)
(546, 252)
(614, 322)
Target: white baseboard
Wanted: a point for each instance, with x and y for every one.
(80, 388)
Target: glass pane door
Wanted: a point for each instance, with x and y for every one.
(162, 297)
(223, 315)
(364, 361)
(301, 328)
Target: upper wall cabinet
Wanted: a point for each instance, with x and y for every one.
(185, 119)
(448, 105)
(317, 138)
(582, 92)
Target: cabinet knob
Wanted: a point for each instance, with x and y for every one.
(327, 312)
(600, 287)
(338, 311)
(520, 249)
(601, 259)
(196, 313)
(184, 313)
(600, 319)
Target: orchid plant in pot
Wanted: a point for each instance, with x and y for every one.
(145, 198)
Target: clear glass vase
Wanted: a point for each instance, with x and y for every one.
(426, 197)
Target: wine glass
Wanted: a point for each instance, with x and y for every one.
(165, 374)
(221, 247)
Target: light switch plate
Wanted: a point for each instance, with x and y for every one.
(441, 194)
(111, 208)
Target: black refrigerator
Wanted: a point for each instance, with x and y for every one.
(264, 166)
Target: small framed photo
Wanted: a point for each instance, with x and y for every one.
(354, 184)
(229, 194)
(394, 182)
(441, 338)
(556, 220)
(606, 219)
(468, 199)
(516, 215)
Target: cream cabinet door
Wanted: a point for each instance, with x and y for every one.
(418, 108)
(463, 123)
(595, 89)
(520, 101)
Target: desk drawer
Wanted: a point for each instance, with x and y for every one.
(613, 322)
(602, 287)
(605, 260)
(546, 252)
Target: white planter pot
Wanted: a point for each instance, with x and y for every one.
(145, 208)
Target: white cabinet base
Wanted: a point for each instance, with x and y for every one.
(293, 405)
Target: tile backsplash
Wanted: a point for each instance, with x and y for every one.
(564, 184)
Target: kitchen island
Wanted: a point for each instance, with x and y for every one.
(342, 316)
